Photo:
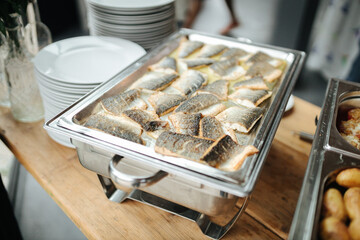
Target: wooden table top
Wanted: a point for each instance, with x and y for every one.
(79, 193)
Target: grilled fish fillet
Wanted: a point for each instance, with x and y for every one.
(256, 83)
(207, 104)
(210, 50)
(189, 82)
(164, 103)
(121, 128)
(196, 63)
(233, 53)
(180, 145)
(127, 100)
(240, 118)
(186, 123)
(155, 80)
(225, 149)
(163, 64)
(211, 128)
(227, 69)
(187, 47)
(249, 98)
(219, 88)
(149, 121)
(265, 70)
(258, 57)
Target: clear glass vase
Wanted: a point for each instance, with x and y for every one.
(25, 100)
(4, 89)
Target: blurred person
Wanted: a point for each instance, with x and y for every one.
(195, 7)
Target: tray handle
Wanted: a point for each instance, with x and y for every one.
(128, 181)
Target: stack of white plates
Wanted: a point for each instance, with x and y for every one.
(68, 69)
(145, 22)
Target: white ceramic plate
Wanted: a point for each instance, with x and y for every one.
(290, 103)
(130, 4)
(87, 59)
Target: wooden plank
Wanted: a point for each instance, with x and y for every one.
(275, 196)
(77, 191)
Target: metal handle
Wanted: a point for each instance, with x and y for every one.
(131, 181)
(243, 39)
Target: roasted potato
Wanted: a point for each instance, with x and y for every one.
(332, 228)
(352, 202)
(333, 205)
(349, 178)
(354, 229)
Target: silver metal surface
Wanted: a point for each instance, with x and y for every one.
(208, 227)
(239, 183)
(330, 154)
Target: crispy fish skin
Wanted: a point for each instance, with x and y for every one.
(225, 149)
(189, 82)
(117, 104)
(210, 50)
(164, 63)
(227, 69)
(164, 103)
(198, 62)
(187, 47)
(256, 83)
(219, 88)
(250, 98)
(265, 70)
(155, 80)
(258, 57)
(240, 118)
(149, 121)
(233, 53)
(181, 145)
(211, 128)
(186, 123)
(197, 103)
(115, 128)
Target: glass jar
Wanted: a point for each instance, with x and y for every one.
(25, 100)
(4, 90)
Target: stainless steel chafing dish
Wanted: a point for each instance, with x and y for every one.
(129, 170)
(330, 153)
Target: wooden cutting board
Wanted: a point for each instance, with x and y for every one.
(78, 192)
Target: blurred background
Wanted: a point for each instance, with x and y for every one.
(327, 30)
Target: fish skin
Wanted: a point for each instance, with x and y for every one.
(118, 103)
(210, 50)
(250, 98)
(181, 145)
(149, 121)
(240, 118)
(115, 128)
(258, 57)
(211, 128)
(197, 62)
(187, 47)
(225, 149)
(265, 70)
(164, 103)
(164, 63)
(197, 103)
(227, 69)
(186, 123)
(256, 83)
(155, 80)
(233, 53)
(219, 88)
(189, 82)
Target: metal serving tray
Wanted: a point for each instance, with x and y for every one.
(202, 188)
(330, 154)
